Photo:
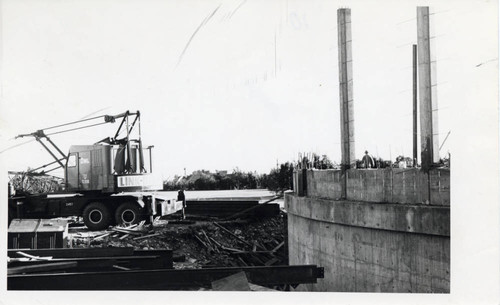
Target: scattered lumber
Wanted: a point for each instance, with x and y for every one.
(182, 222)
(126, 231)
(278, 246)
(120, 268)
(33, 257)
(232, 234)
(272, 261)
(147, 236)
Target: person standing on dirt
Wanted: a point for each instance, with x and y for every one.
(367, 160)
(182, 197)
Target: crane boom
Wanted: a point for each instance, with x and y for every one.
(61, 157)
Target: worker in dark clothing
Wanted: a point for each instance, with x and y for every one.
(182, 197)
(367, 160)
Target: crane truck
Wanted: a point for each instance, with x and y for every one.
(106, 183)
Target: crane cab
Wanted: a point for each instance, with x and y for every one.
(108, 169)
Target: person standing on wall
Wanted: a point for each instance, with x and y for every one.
(367, 160)
(182, 197)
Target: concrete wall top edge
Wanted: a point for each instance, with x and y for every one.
(423, 219)
(390, 185)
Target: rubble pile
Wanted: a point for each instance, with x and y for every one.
(198, 244)
(30, 183)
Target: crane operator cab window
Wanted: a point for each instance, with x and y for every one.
(127, 160)
(72, 160)
(119, 159)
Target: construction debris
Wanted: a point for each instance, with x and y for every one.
(33, 183)
(208, 245)
(201, 244)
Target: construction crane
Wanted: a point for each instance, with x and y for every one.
(106, 182)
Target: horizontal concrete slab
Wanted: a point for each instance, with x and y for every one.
(434, 220)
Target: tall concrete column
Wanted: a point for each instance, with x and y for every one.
(345, 88)
(415, 105)
(429, 141)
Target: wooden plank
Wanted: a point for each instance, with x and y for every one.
(47, 258)
(236, 236)
(201, 242)
(120, 268)
(232, 249)
(278, 246)
(251, 252)
(272, 261)
(147, 236)
(242, 261)
(103, 235)
(126, 231)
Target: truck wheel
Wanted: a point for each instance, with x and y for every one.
(96, 216)
(129, 213)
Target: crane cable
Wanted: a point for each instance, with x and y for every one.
(74, 122)
(82, 127)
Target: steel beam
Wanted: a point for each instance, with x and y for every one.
(164, 279)
(134, 262)
(75, 252)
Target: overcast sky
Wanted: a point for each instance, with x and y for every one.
(231, 83)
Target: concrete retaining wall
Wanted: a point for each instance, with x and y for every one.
(370, 247)
(324, 183)
(382, 185)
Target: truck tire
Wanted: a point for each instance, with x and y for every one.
(129, 213)
(96, 216)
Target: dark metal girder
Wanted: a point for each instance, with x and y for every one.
(164, 279)
(74, 253)
(84, 264)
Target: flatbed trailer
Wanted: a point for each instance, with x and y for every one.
(98, 210)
